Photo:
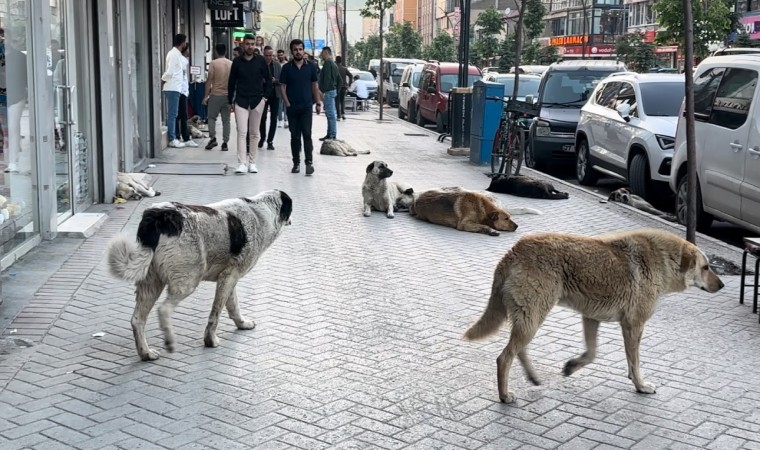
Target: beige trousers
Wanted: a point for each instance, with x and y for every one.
(248, 121)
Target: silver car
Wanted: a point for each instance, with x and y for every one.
(407, 93)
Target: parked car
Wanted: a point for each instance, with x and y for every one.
(528, 84)
(393, 68)
(627, 130)
(726, 112)
(368, 79)
(564, 89)
(373, 64)
(436, 81)
(531, 69)
(490, 69)
(735, 51)
(407, 92)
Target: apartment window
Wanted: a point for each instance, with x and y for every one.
(558, 26)
(575, 23)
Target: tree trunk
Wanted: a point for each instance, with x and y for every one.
(518, 47)
(380, 72)
(691, 167)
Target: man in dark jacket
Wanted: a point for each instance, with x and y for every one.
(345, 78)
(249, 80)
(298, 86)
(329, 84)
(272, 97)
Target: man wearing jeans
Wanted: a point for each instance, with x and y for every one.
(174, 78)
(248, 81)
(298, 85)
(329, 84)
(282, 118)
(216, 96)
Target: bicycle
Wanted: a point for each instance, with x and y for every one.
(509, 141)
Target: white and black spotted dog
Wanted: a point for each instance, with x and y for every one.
(179, 245)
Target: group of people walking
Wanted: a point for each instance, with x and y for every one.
(255, 85)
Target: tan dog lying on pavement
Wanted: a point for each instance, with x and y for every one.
(616, 277)
(383, 195)
(336, 147)
(462, 209)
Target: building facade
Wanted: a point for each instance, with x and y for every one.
(405, 11)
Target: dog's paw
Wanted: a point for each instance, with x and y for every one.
(390, 216)
(367, 213)
(151, 355)
(509, 397)
(646, 388)
(493, 233)
(169, 345)
(211, 341)
(571, 367)
(246, 325)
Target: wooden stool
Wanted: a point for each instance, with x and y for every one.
(751, 247)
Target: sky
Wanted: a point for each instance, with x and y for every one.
(275, 9)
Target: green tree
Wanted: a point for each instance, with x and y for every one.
(533, 22)
(486, 47)
(507, 50)
(364, 50)
(403, 41)
(743, 40)
(712, 23)
(442, 48)
(634, 52)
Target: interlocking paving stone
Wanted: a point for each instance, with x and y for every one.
(358, 337)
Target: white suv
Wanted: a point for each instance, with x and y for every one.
(727, 113)
(407, 92)
(627, 130)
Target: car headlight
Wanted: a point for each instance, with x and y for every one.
(666, 142)
(542, 128)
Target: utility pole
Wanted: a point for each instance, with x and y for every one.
(464, 43)
(691, 151)
(380, 72)
(344, 38)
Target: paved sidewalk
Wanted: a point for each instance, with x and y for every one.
(357, 343)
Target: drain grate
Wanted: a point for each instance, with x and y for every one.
(415, 134)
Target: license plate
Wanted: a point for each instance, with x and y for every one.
(568, 148)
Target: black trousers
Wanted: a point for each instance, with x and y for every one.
(272, 106)
(182, 130)
(340, 102)
(299, 122)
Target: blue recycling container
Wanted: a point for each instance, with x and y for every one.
(486, 113)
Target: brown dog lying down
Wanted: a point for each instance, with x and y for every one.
(462, 209)
(523, 186)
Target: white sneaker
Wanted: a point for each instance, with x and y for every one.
(176, 144)
(253, 169)
(12, 168)
(242, 169)
(190, 143)
(279, 124)
(286, 124)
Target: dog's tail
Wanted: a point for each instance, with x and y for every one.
(362, 152)
(128, 260)
(495, 313)
(522, 211)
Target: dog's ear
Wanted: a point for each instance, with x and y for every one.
(493, 216)
(409, 191)
(688, 258)
(611, 197)
(370, 167)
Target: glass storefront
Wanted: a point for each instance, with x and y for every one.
(19, 220)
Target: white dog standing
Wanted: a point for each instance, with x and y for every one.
(178, 246)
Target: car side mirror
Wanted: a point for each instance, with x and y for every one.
(624, 109)
(529, 99)
(405, 84)
(431, 90)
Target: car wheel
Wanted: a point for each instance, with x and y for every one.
(439, 126)
(704, 220)
(420, 120)
(638, 176)
(585, 174)
(410, 110)
(530, 158)
(401, 114)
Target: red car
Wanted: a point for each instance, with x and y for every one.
(436, 81)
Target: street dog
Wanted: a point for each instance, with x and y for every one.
(616, 277)
(335, 147)
(624, 196)
(179, 245)
(523, 186)
(193, 127)
(462, 209)
(129, 187)
(383, 195)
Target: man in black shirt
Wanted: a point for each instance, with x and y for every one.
(298, 84)
(249, 79)
(272, 97)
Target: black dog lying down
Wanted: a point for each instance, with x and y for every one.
(523, 186)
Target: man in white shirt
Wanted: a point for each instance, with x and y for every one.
(175, 83)
(359, 88)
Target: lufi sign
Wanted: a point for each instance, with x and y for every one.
(221, 18)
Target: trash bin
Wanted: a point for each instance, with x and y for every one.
(460, 111)
(486, 114)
